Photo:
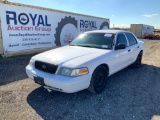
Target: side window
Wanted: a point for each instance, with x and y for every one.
(131, 39)
(121, 39)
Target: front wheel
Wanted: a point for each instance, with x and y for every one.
(99, 80)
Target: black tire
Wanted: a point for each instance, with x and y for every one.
(61, 24)
(99, 80)
(138, 62)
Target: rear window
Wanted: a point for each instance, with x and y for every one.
(131, 39)
(121, 39)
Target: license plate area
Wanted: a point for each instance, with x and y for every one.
(39, 80)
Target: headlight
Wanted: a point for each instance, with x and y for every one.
(65, 71)
(78, 72)
(31, 63)
(73, 72)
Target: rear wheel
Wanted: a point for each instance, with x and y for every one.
(99, 80)
(138, 61)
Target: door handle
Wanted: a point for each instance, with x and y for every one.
(129, 50)
(138, 47)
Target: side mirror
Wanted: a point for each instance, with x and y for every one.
(120, 46)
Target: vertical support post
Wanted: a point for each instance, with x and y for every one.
(1, 41)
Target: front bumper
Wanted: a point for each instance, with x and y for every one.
(59, 82)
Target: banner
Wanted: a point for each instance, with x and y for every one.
(25, 28)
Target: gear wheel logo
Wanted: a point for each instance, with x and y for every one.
(66, 30)
(104, 25)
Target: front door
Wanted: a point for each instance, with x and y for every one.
(122, 56)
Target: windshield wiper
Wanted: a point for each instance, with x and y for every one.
(86, 46)
(93, 47)
(73, 45)
(81, 45)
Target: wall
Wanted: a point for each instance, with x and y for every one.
(136, 29)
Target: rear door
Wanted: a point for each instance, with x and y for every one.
(133, 46)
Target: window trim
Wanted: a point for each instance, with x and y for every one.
(116, 38)
(134, 38)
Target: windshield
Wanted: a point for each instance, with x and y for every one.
(95, 40)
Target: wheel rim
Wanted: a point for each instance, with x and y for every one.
(100, 81)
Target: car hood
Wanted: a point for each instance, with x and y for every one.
(66, 53)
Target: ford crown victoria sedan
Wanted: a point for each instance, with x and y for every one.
(87, 61)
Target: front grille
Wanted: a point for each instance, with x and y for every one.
(46, 67)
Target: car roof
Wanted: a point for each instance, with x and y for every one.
(106, 31)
